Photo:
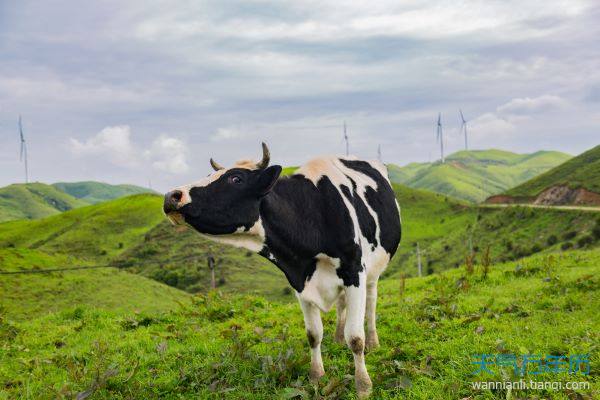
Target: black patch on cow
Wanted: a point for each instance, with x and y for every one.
(302, 220)
(383, 202)
(365, 219)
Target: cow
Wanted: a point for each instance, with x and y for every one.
(331, 227)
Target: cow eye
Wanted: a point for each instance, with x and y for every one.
(236, 179)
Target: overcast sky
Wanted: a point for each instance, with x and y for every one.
(128, 92)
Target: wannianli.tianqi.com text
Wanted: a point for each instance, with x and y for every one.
(530, 385)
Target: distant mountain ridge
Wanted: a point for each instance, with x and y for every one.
(96, 192)
(474, 175)
(38, 200)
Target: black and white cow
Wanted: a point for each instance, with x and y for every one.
(331, 227)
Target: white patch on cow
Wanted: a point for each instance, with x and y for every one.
(374, 260)
(252, 239)
(324, 286)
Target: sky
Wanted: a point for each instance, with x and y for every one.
(145, 92)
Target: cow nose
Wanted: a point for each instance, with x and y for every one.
(172, 200)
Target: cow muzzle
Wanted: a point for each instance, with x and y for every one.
(173, 201)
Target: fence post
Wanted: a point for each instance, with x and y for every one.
(211, 265)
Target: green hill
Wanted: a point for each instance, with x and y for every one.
(96, 192)
(25, 296)
(476, 174)
(132, 233)
(243, 347)
(582, 171)
(34, 200)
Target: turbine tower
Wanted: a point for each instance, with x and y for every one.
(347, 141)
(440, 136)
(379, 153)
(23, 153)
(463, 127)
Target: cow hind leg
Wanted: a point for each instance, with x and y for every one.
(354, 333)
(372, 337)
(341, 318)
(314, 334)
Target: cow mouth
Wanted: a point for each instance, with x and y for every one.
(176, 218)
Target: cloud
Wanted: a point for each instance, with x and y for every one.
(528, 105)
(112, 141)
(226, 134)
(491, 125)
(166, 153)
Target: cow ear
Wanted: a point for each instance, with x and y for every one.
(267, 179)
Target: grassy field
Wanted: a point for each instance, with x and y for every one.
(34, 200)
(96, 192)
(132, 233)
(241, 346)
(582, 171)
(475, 175)
(25, 296)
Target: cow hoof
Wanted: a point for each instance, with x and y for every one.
(372, 341)
(316, 374)
(363, 387)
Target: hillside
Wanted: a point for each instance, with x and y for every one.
(25, 296)
(447, 230)
(476, 174)
(34, 200)
(133, 233)
(96, 192)
(233, 346)
(580, 172)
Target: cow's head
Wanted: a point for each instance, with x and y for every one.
(225, 202)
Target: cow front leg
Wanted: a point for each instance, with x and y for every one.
(314, 333)
(372, 337)
(354, 334)
(341, 318)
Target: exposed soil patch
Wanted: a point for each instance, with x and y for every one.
(553, 196)
(562, 195)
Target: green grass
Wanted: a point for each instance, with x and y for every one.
(24, 296)
(476, 174)
(96, 192)
(178, 257)
(235, 346)
(582, 171)
(95, 233)
(34, 200)
(132, 232)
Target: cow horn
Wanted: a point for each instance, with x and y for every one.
(216, 166)
(264, 163)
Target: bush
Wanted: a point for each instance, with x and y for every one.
(552, 240)
(566, 246)
(596, 231)
(536, 248)
(570, 235)
(585, 240)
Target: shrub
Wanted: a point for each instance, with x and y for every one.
(585, 240)
(566, 246)
(552, 240)
(570, 235)
(596, 231)
(536, 248)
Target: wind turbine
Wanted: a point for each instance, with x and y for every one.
(463, 127)
(440, 136)
(347, 141)
(23, 153)
(379, 153)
